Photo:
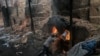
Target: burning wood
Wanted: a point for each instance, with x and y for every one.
(60, 35)
(82, 48)
(66, 35)
(59, 42)
(54, 30)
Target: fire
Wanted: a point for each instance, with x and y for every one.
(68, 35)
(54, 30)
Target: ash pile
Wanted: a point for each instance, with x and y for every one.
(15, 43)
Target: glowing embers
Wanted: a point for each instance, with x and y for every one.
(65, 36)
(68, 35)
(54, 30)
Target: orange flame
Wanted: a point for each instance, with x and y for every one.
(54, 30)
(68, 35)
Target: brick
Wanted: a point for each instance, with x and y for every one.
(80, 3)
(95, 2)
(95, 19)
(94, 11)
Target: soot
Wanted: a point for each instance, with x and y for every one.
(59, 23)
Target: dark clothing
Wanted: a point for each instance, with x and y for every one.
(6, 16)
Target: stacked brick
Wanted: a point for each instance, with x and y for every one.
(87, 9)
(95, 11)
(42, 12)
(80, 8)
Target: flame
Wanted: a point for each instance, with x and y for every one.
(54, 30)
(68, 35)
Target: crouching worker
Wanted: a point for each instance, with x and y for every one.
(80, 49)
(60, 41)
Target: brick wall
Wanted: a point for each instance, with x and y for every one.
(95, 11)
(82, 9)
(42, 13)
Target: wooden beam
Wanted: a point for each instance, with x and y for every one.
(7, 11)
(88, 16)
(71, 22)
(31, 16)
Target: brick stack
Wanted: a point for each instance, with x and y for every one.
(85, 11)
(95, 11)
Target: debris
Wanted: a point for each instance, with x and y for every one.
(25, 37)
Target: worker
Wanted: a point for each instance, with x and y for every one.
(7, 9)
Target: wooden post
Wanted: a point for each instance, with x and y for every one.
(88, 16)
(71, 23)
(30, 11)
(7, 11)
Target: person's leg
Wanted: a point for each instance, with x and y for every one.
(5, 17)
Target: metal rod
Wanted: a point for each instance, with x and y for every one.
(7, 10)
(71, 22)
(88, 16)
(32, 22)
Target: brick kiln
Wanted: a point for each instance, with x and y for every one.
(59, 34)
